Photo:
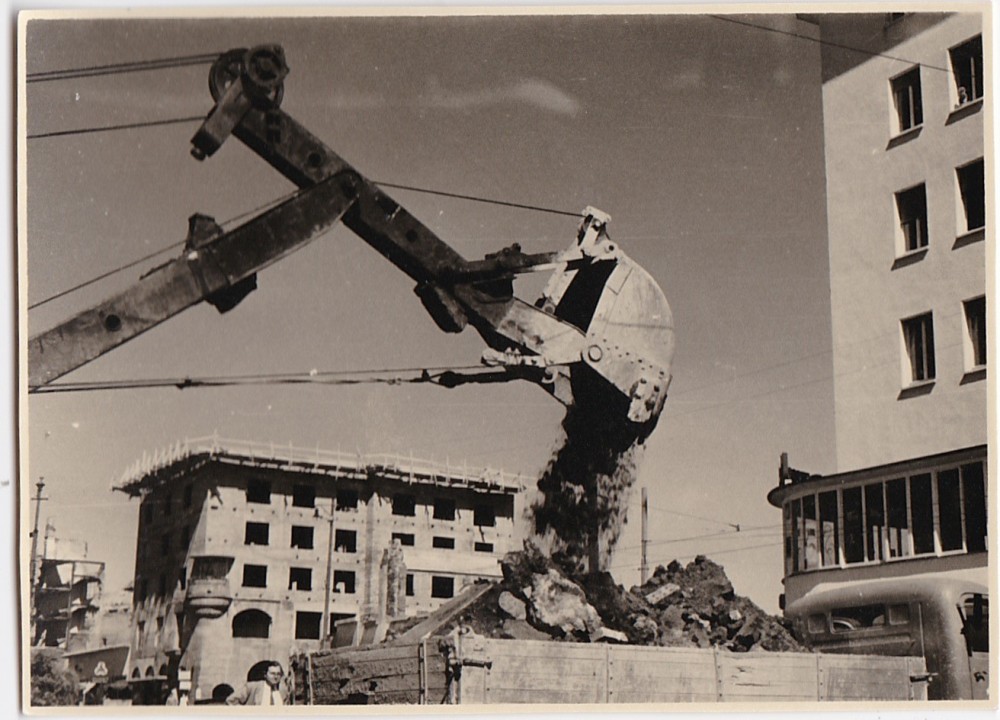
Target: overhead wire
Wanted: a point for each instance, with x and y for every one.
(120, 68)
(109, 128)
(156, 253)
(820, 41)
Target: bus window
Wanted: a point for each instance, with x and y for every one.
(975, 623)
(816, 624)
(899, 614)
(848, 619)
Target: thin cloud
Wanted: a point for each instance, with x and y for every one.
(536, 93)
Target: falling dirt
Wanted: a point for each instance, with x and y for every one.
(584, 491)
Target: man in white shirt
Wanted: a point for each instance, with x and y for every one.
(268, 691)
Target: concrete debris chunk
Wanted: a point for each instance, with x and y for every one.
(512, 606)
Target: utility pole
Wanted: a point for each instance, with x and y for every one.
(328, 588)
(35, 564)
(643, 564)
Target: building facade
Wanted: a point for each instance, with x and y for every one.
(236, 542)
(903, 113)
(904, 136)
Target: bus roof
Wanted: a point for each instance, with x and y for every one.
(847, 594)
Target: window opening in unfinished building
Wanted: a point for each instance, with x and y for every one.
(346, 541)
(442, 587)
(347, 499)
(404, 504)
(443, 543)
(406, 539)
(343, 582)
(258, 491)
(307, 625)
(256, 533)
(255, 576)
(304, 496)
(444, 509)
(252, 624)
(409, 584)
(484, 516)
(484, 547)
(302, 537)
(300, 579)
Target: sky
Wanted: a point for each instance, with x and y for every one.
(702, 138)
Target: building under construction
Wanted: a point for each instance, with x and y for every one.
(246, 551)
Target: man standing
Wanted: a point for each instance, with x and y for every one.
(262, 692)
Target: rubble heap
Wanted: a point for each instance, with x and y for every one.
(679, 606)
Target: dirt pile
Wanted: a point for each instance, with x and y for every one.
(583, 492)
(679, 606)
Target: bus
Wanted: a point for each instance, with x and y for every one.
(942, 619)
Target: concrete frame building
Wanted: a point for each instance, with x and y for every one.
(236, 542)
(67, 596)
(904, 134)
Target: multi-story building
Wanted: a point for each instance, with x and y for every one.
(238, 543)
(903, 113)
(67, 594)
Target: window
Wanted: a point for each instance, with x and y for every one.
(182, 577)
(343, 582)
(828, 540)
(967, 67)
(256, 533)
(897, 525)
(922, 512)
(918, 339)
(855, 618)
(444, 509)
(484, 516)
(159, 624)
(300, 579)
(252, 624)
(347, 499)
(304, 496)
(972, 192)
(403, 504)
(302, 537)
(442, 587)
(911, 211)
(854, 531)
(307, 625)
(907, 100)
(409, 585)
(974, 496)
(976, 623)
(445, 543)
(975, 333)
(484, 547)
(258, 491)
(874, 521)
(405, 539)
(949, 510)
(809, 548)
(188, 495)
(255, 576)
(346, 541)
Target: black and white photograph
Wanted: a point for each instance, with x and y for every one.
(546, 359)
